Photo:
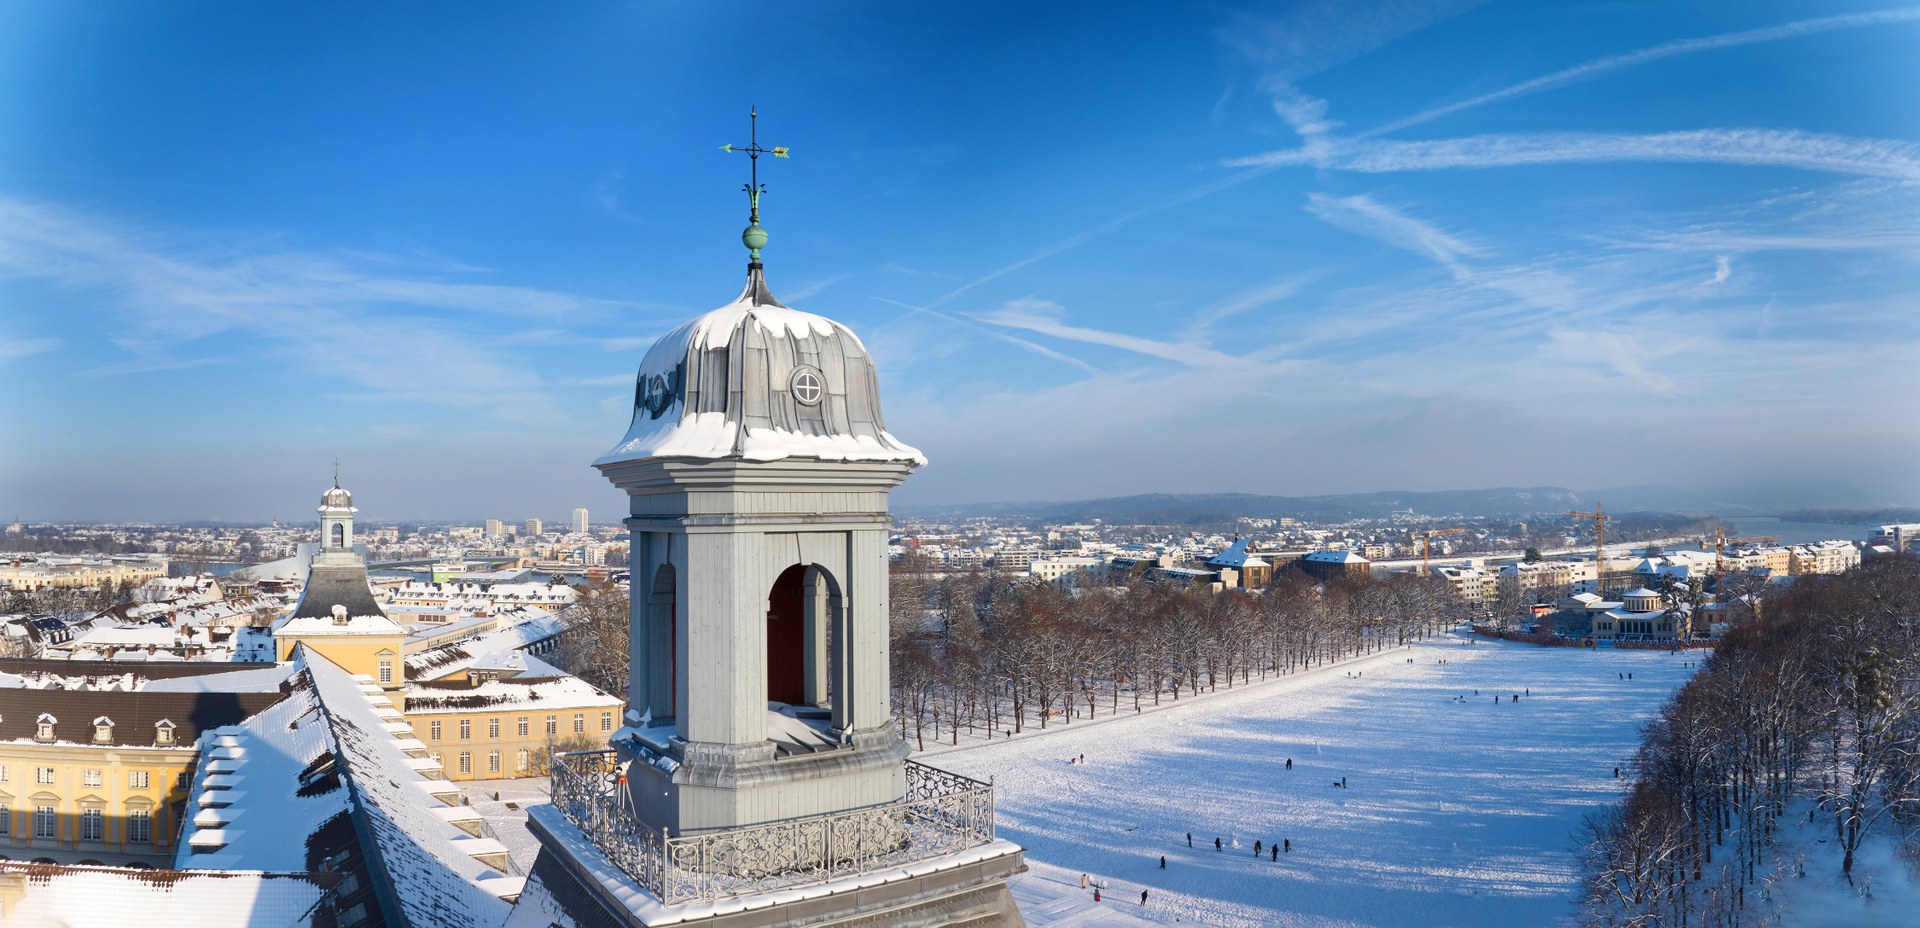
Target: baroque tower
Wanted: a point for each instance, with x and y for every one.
(761, 754)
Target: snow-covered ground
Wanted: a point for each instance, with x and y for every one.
(1457, 811)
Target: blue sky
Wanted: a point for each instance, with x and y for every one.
(1292, 248)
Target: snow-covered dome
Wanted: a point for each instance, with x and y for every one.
(336, 498)
(755, 380)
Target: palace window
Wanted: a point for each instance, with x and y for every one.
(493, 761)
(553, 724)
(43, 776)
(90, 776)
(386, 667)
(103, 730)
(579, 723)
(44, 820)
(93, 825)
(137, 779)
(466, 729)
(493, 728)
(163, 732)
(43, 727)
(3, 773)
(520, 728)
(606, 721)
(6, 822)
(522, 760)
(433, 731)
(466, 762)
(140, 826)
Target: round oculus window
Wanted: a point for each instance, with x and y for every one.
(655, 396)
(808, 387)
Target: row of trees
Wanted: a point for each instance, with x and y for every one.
(980, 655)
(1815, 704)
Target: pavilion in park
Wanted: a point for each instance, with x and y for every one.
(760, 778)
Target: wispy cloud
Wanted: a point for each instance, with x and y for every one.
(1047, 318)
(1599, 66)
(995, 334)
(11, 348)
(1111, 225)
(1246, 301)
(1811, 151)
(814, 288)
(1367, 216)
(1722, 269)
(357, 326)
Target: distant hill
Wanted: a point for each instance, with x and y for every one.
(1201, 508)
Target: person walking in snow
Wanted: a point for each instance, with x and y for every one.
(1096, 894)
(1189, 839)
(1216, 844)
(1257, 849)
(1288, 844)
(1163, 861)
(1143, 897)
(1289, 763)
(1273, 852)
(1083, 881)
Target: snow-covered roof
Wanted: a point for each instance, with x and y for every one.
(755, 380)
(305, 626)
(1334, 557)
(549, 693)
(1237, 555)
(281, 810)
(60, 895)
(420, 853)
(449, 659)
(1643, 591)
(257, 680)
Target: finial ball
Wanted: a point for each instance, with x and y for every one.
(755, 237)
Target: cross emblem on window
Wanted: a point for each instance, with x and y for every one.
(807, 389)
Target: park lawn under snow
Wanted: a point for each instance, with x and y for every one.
(1456, 813)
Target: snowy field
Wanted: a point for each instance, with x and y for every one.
(1457, 811)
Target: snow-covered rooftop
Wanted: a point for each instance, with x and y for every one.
(758, 381)
(58, 895)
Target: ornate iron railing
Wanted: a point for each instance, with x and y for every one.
(942, 813)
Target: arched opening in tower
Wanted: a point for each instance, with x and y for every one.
(805, 666)
(787, 638)
(339, 535)
(663, 644)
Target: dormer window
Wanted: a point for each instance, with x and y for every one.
(103, 730)
(163, 732)
(43, 727)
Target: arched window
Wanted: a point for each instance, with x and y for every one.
(466, 761)
(339, 535)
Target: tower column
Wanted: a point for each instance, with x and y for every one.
(820, 614)
(867, 629)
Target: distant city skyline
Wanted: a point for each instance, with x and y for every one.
(1291, 249)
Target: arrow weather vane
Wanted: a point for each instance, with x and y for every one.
(755, 237)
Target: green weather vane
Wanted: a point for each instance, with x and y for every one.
(755, 237)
